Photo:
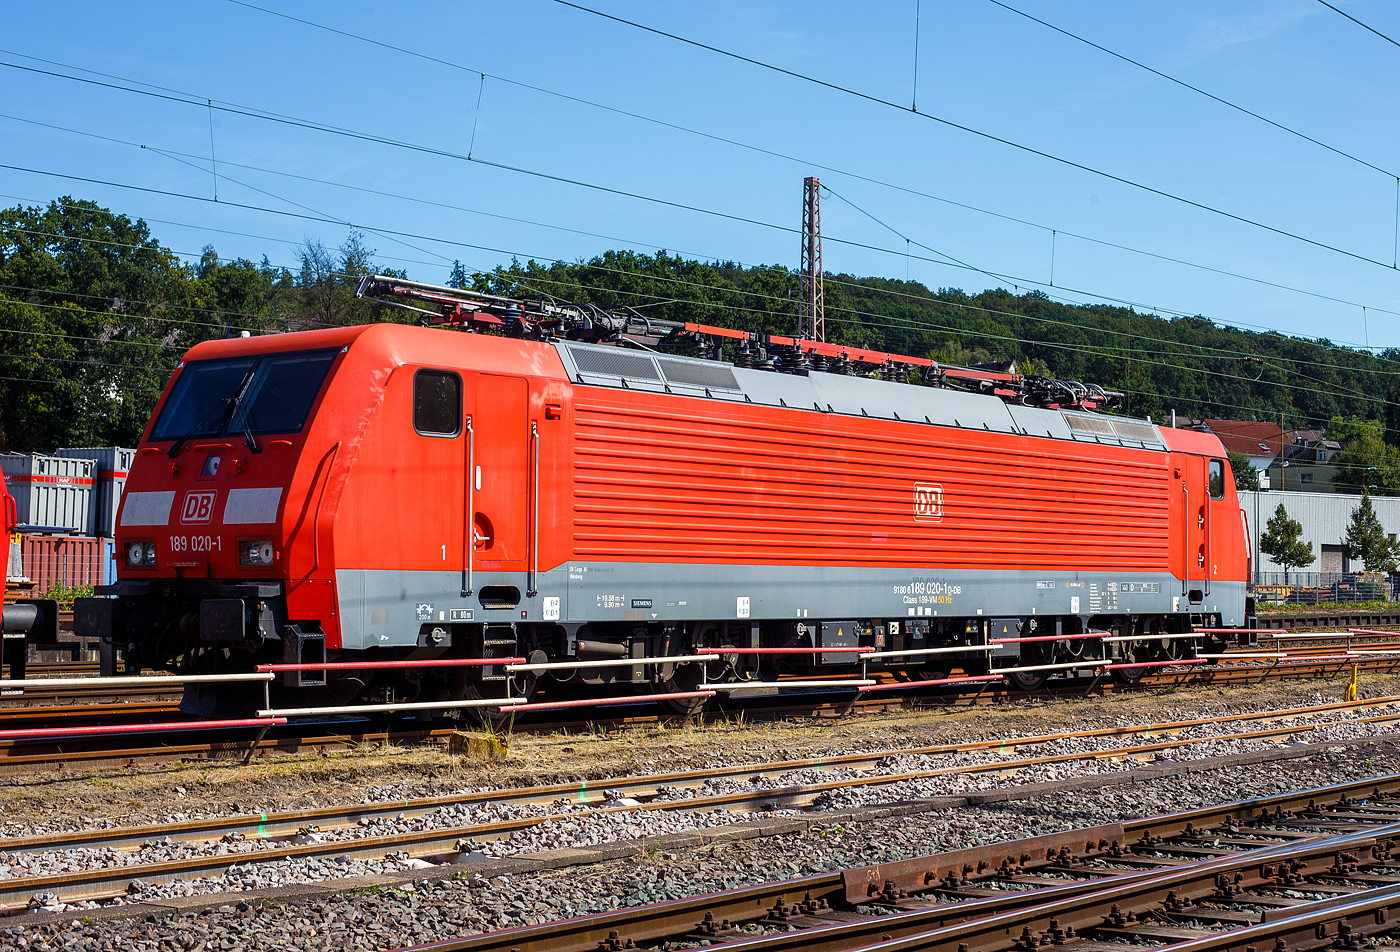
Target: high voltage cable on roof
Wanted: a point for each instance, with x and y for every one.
(1194, 89)
(1205, 351)
(1022, 280)
(883, 322)
(1031, 150)
(862, 318)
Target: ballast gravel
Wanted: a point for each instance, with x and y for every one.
(434, 909)
(583, 826)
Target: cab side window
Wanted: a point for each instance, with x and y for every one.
(1217, 479)
(437, 403)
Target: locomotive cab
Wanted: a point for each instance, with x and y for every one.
(203, 551)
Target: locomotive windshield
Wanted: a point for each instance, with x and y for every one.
(272, 393)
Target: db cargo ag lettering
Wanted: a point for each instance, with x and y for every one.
(198, 508)
(928, 502)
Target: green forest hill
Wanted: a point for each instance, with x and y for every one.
(95, 313)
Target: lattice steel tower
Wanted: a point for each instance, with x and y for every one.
(811, 317)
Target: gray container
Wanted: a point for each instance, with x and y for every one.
(113, 463)
(52, 493)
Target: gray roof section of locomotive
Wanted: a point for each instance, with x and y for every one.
(605, 365)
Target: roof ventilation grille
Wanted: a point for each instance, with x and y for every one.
(614, 363)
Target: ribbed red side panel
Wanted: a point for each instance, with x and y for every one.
(759, 485)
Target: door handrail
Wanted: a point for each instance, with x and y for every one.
(531, 590)
(469, 530)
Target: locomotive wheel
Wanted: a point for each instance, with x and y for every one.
(917, 672)
(1027, 681)
(684, 678)
(1032, 653)
(688, 705)
(521, 685)
(1139, 652)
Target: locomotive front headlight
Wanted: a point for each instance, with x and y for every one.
(141, 555)
(255, 553)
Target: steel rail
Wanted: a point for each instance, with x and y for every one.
(635, 787)
(983, 926)
(286, 823)
(994, 917)
(1339, 921)
(14, 760)
(102, 884)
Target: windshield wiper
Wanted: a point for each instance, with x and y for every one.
(229, 405)
(196, 425)
(249, 440)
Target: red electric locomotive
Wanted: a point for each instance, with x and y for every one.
(556, 487)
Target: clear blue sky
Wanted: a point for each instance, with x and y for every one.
(1295, 62)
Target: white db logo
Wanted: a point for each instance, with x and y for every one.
(199, 507)
(928, 502)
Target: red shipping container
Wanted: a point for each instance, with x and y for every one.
(52, 560)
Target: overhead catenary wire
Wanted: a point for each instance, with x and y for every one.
(515, 254)
(1359, 23)
(578, 231)
(913, 297)
(1195, 89)
(1143, 338)
(865, 319)
(621, 192)
(1030, 150)
(897, 232)
(269, 116)
(213, 162)
(914, 99)
(748, 146)
(1087, 238)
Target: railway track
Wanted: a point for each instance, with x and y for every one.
(27, 756)
(1293, 872)
(442, 829)
(1338, 619)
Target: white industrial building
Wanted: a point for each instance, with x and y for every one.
(1324, 518)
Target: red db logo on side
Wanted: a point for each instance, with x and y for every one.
(928, 502)
(199, 507)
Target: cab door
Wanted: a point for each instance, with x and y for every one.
(500, 473)
(1198, 512)
(1222, 524)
